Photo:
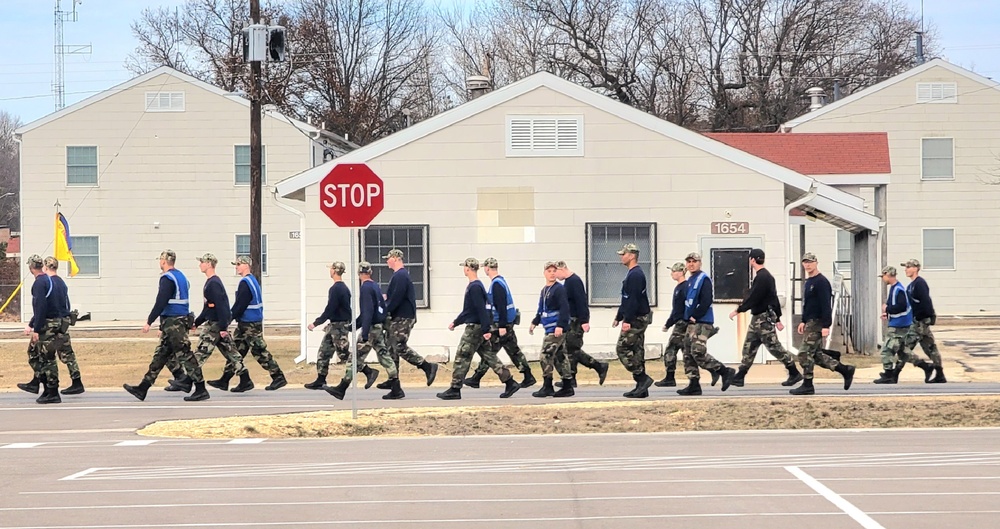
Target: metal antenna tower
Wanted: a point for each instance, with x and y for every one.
(62, 50)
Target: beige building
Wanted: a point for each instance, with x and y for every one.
(544, 169)
(943, 128)
(162, 161)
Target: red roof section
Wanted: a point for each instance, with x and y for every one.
(14, 246)
(815, 154)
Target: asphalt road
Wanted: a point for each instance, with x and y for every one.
(81, 465)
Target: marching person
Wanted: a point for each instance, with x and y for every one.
(700, 327)
(817, 318)
(172, 309)
(475, 339)
(899, 314)
(401, 304)
(214, 321)
(47, 329)
(761, 301)
(500, 302)
(248, 312)
(923, 318)
(634, 316)
(676, 320)
(337, 337)
(553, 316)
(579, 323)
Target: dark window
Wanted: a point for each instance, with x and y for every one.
(376, 241)
(730, 273)
(605, 272)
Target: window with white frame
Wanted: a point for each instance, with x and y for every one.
(939, 249)
(845, 240)
(545, 135)
(243, 248)
(87, 254)
(605, 272)
(81, 165)
(937, 158)
(937, 93)
(164, 101)
(376, 241)
(242, 165)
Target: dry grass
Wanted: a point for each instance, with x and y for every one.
(605, 417)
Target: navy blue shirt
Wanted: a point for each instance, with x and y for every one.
(216, 307)
(920, 296)
(634, 304)
(474, 307)
(338, 305)
(61, 293)
(817, 302)
(576, 292)
(401, 297)
(372, 308)
(44, 302)
(677, 307)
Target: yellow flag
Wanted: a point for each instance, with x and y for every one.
(64, 248)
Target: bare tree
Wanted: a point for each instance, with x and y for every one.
(9, 171)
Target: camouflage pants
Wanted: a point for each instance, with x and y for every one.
(810, 352)
(574, 348)
(553, 356)
(174, 344)
(249, 339)
(696, 350)
(631, 347)
(65, 355)
(507, 342)
(471, 343)
(920, 333)
(51, 342)
(336, 340)
(376, 340)
(210, 338)
(399, 334)
(761, 332)
(675, 343)
(895, 347)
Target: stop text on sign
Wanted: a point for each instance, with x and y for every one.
(355, 195)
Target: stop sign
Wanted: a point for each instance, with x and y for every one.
(351, 195)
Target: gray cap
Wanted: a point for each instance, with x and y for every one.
(51, 263)
(911, 262)
(629, 248)
(209, 258)
(491, 262)
(693, 256)
(169, 256)
(395, 252)
(889, 270)
(364, 267)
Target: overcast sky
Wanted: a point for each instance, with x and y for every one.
(968, 34)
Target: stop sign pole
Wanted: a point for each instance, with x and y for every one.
(352, 196)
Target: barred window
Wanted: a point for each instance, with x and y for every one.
(605, 272)
(376, 241)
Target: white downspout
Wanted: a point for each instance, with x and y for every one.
(790, 284)
(303, 325)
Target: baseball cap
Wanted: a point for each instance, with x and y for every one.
(51, 262)
(364, 267)
(35, 261)
(338, 267)
(395, 252)
(890, 270)
(561, 264)
(693, 256)
(756, 253)
(209, 258)
(678, 267)
(629, 248)
(471, 262)
(168, 255)
(551, 264)
(808, 257)
(912, 262)
(243, 259)
(491, 262)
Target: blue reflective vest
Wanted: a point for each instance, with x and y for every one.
(511, 309)
(899, 319)
(550, 315)
(694, 291)
(255, 310)
(178, 305)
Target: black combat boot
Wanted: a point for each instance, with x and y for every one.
(316, 384)
(895, 372)
(794, 377)
(602, 372)
(222, 383)
(805, 389)
(546, 390)
(277, 382)
(30, 386)
(848, 373)
(715, 377)
(668, 381)
(560, 383)
(50, 395)
(371, 375)
(75, 388)
(452, 393)
(928, 371)
(885, 377)
(510, 388)
(179, 374)
(642, 384)
(339, 390)
(939, 378)
(693, 388)
(139, 391)
(200, 393)
(473, 381)
(726, 374)
(529, 379)
(182, 384)
(385, 385)
(740, 375)
(567, 388)
(396, 392)
(431, 370)
(245, 383)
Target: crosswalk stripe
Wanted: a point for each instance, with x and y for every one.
(140, 442)
(245, 441)
(22, 445)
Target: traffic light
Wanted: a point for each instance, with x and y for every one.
(275, 44)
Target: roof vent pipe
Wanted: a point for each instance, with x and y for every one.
(477, 85)
(817, 96)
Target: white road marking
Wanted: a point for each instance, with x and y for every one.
(855, 513)
(79, 474)
(140, 442)
(245, 441)
(22, 445)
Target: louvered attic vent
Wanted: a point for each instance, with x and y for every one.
(544, 135)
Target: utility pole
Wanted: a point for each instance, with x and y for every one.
(255, 156)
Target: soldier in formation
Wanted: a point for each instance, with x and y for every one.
(553, 316)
